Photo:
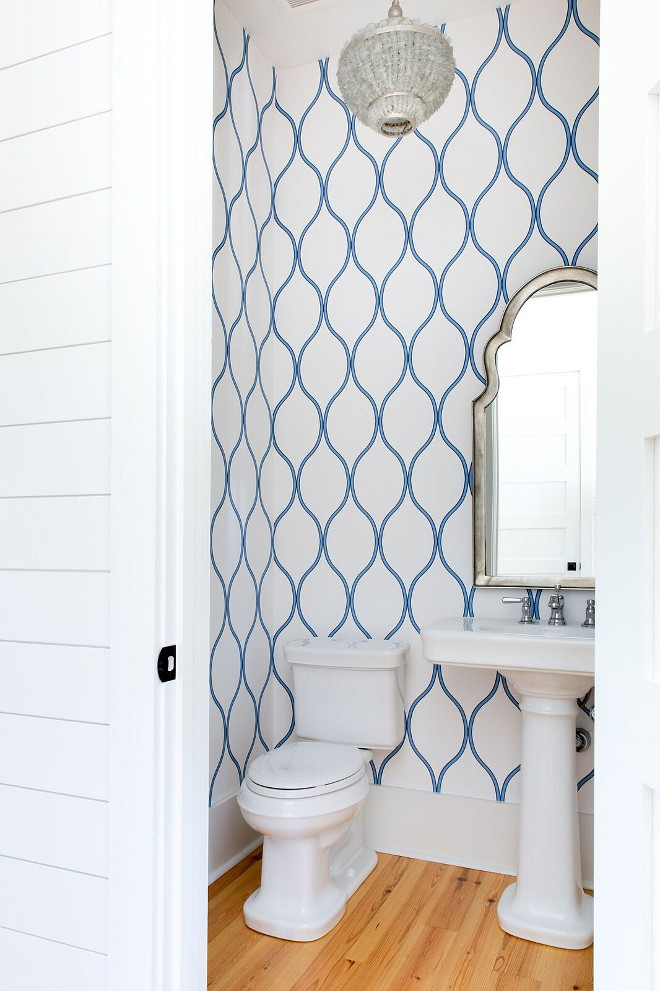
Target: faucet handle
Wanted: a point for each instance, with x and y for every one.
(556, 598)
(556, 605)
(526, 607)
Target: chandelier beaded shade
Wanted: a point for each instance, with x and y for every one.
(395, 74)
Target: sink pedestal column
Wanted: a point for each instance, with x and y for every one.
(546, 903)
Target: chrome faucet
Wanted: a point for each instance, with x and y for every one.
(590, 618)
(556, 604)
(526, 607)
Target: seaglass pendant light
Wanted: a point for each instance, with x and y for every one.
(395, 74)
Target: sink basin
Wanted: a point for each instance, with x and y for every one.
(538, 658)
(549, 666)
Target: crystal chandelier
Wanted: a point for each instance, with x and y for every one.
(393, 75)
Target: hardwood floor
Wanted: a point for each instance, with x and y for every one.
(411, 924)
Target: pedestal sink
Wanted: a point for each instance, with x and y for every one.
(550, 667)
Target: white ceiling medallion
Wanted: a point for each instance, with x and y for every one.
(395, 74)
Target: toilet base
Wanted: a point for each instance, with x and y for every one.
(304, 923)
(301, 927)
(349, 877)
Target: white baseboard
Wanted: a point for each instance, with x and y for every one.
(446, 829)
(230, 837)
(449, 829)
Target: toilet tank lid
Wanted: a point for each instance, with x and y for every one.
(331, 652)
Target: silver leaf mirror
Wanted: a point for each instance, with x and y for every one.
(535, 438)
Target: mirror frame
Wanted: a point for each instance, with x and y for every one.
(503, 336)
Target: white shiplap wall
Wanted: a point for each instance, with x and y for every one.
(54, 492)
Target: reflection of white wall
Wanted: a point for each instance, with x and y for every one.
(547, 416)
(365, 375)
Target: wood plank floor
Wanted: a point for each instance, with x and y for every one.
(411, 924)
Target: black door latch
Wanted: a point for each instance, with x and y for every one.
(167, 664)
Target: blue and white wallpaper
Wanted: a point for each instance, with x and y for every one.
(356, 283)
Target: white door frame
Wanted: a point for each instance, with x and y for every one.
(161, 367)
(161, 322)
(627, 847)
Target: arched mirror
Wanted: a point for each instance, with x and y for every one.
(535, 438)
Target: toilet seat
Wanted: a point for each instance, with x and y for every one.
(305, 769)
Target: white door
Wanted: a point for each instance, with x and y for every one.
(627, 814)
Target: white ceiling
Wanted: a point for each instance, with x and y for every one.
(290, 36)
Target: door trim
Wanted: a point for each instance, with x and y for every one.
(161, 366)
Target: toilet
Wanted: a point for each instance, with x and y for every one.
(306, 798)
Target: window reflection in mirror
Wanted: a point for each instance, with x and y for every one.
(540, 440)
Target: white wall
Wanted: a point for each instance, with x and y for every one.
(357, 282)
(54, 491)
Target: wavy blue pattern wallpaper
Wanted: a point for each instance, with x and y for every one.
(356, 282)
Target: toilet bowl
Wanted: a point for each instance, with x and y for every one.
(305, 799)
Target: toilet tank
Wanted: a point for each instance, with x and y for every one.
(348, 691)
